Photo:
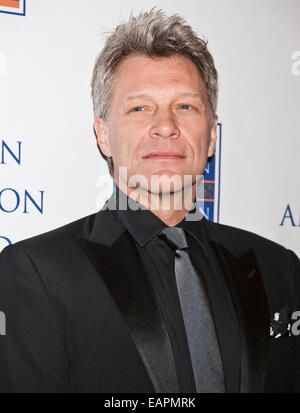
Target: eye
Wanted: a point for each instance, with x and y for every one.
(138, 109)
(186, 106)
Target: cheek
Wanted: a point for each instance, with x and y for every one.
(125, 141)
(198, 144)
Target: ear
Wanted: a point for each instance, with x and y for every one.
(213, 137)
(101, 131)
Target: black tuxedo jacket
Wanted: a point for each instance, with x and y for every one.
(81, 316)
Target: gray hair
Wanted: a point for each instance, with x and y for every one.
(151, 34)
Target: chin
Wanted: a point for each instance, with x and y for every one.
(160, 181)
(164, 183)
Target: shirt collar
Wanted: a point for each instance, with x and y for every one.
(144, 225)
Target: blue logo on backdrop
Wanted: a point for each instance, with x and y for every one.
(210, 204)
(289, 217)
(15, 200)
(4, 241)
(13, 7)
(7, 152)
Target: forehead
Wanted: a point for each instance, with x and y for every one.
(144, 72)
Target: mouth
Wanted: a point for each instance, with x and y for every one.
(164, 155)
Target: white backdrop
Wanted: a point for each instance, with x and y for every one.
(46, 63)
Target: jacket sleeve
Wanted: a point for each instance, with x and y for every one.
(33, 351)
(295, 268)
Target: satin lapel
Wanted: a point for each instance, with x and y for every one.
(114, 256)
(248, 292)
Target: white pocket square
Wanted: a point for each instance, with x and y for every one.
(281, 323)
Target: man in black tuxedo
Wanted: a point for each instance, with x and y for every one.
(102, 304)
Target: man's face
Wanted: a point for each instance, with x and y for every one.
(159, 120)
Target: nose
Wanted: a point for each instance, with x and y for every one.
(164, 125)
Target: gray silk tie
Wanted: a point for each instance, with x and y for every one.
(198, 320)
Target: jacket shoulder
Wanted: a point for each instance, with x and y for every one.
(238, 239)
(236, 235)
(275, 261)
(55, 238)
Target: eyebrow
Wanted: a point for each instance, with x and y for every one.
(145, 96)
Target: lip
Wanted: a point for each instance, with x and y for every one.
(164, 155)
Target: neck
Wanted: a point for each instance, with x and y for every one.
(169, 207)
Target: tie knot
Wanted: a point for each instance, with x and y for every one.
(175, 237)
